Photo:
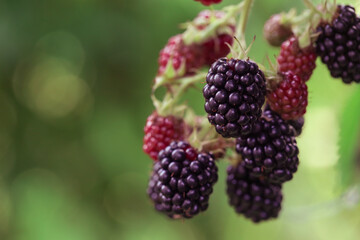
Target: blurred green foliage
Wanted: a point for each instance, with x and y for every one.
(75, 81)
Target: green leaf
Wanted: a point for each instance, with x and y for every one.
(349, 139)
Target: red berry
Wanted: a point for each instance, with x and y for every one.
(216, 46)
(160, 132)
(180, 54)
(208, 2)
(299, 61)
(289, 99)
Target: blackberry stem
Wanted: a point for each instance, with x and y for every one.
(240, 33)
(240, 45)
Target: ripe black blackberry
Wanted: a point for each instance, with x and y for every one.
(338, 45)
(234, 94)
(182, 181)
(270, 151)
(255, 198)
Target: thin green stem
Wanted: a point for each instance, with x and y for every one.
(240, 32)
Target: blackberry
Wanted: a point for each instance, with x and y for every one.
(290, 97)
(208, 2)
(295, 59)
(217, 45)
(270, 151)
(186, 59)
(182, 181)
(234, 94)
(338, 45)
(276, 33)
(160, 132)
(252, 197)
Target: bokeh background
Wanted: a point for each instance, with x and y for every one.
(75, 80)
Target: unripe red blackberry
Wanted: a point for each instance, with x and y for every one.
(185, 59)
(270, 151)
(274, 32)
(338, 45)
(292, 58)
(254, 198)
(209, 2)
(182, 181)
(290, 97)
(160, 132)
(217, 45)
(234, 94)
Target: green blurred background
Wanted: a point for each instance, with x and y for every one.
(75, 81)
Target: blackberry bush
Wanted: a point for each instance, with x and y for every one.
(254, 198)
(270, 151)
(338, 44)
(182, 181)
(234, 94)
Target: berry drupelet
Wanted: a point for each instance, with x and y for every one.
(292, 58)
(185, 59)
(290, 97)
(182, 181)
(234, 94)
(252, 197)
(338, 45)
(208, 2)
(298, 125)
(160, 132)
(270, 151)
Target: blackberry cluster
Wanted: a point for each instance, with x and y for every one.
(338, 45)
(270, 151)
(255, 198)
(160, 132)
(234, 94)
(182, 181)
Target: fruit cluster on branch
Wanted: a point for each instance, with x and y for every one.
(254, 112)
